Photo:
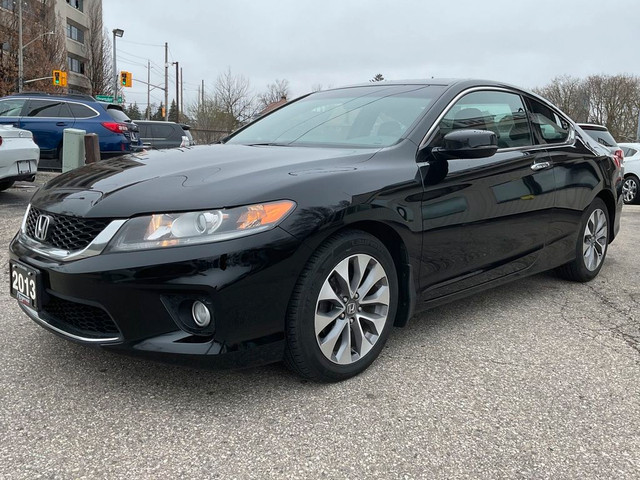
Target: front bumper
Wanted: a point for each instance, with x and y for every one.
(134, 302)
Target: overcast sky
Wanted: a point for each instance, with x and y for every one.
(340, 42)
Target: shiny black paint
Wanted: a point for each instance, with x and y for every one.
(453, 226)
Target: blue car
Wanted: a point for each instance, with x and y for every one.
(46, 116)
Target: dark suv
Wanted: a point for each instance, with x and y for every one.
(158, 134)
(48, 115)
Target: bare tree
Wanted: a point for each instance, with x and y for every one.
(275, 92)
(209, 122)
(99, 69)
(569, 94)
(232, 96)
(45, 53)
(612, 101)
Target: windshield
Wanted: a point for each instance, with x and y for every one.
(371, 116)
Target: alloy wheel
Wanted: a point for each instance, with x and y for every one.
(629, 190)
(594, 241)
(352, 309)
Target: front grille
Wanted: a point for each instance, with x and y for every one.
(66, 232)
(79, 319)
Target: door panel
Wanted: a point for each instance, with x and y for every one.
(484, 218)
(487, 218)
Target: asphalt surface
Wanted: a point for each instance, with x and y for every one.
(536, 379)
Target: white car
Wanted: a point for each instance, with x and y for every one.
(631, 185)
(19, 156)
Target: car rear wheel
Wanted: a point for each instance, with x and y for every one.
(5, 185)
(342, 308)
(630, 189)
(591, 244)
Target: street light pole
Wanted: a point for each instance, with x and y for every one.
(20, 59)
(117, 32)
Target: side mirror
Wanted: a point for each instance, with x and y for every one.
(467, 144)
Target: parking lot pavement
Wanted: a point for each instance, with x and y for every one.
(536, 379)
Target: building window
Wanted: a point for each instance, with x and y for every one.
(76, 4)
(7, 4)
(75, 65)
(75, 33)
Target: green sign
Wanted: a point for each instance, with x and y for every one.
(104, 98)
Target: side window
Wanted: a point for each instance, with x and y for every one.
(550, 126)
(145, 130)
(161, 131)
(81, 111)
(47, 108)
(11, 107)
(500, 112)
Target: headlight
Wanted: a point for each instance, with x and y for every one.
(176, 229)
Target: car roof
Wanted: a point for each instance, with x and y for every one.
(65, 96)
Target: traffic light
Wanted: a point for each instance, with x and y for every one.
(59, 78)
(125, 79)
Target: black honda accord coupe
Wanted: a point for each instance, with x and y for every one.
(308, 234)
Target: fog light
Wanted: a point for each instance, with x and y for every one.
(201, 314)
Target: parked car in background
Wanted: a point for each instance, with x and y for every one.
(47, 115)
(631, 185)
(601, 135)
(311, 232)
(159, 134)
(18, 156)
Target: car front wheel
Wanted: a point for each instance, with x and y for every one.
(342, 308)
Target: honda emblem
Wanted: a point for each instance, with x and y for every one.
(42, 225)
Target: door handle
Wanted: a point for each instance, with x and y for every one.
(61, 124)
(540, 166)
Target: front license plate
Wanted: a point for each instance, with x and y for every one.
(24, 166)
(25, 284)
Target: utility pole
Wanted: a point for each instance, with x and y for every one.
(166, 81)
(20, 59)
(181, 92)
(148, 115)
(177, 92)
(202, 92)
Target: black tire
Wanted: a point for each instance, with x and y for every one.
(631, 190)
(5, 185)
(581, 269)
(303, 352)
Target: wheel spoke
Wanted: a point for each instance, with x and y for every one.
(361, 344)
(323, 320)
(377, 321)
(341, 274)
(360, 263)
(327, 294)
(343, 355)
(374, 275)
(381, 296)
(329, 342)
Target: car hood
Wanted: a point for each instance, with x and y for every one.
(197, 178)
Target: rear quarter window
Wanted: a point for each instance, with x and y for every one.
(117, 114)
(81, 111)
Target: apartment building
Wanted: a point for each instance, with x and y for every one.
(75, 18)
